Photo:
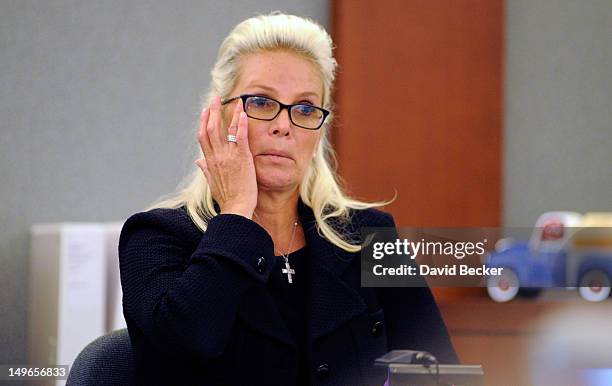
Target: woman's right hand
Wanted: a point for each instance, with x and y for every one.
(227, 166)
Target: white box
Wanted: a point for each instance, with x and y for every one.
(67, 308)
(114, 305)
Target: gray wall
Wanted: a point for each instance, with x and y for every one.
(558, 122)
(98, 104)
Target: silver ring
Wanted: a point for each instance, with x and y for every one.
(232, 138)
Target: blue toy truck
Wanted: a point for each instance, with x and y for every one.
(566, 250)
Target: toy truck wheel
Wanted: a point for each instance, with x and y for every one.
(504, 287)
(594, 286)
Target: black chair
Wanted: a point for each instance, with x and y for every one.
(105, 361)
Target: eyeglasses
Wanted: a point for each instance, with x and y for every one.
(266, 109)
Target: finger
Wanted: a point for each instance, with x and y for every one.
(212, 129)
(202, 136)
(242, 135)
(233, 127)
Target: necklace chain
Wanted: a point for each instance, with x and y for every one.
(286, 255)
(287, 270)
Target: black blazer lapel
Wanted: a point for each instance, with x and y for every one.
(332, 301)
(260, 313)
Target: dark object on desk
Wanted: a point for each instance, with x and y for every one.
(419, 368)
(107, 361)
(407, 357)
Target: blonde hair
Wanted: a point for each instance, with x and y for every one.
(320, 188)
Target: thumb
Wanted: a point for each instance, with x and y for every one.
(202, 165)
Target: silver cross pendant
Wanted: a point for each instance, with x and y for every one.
(288, 271)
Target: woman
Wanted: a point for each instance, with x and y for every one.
(250, 274)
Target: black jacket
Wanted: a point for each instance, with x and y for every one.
(198, 310)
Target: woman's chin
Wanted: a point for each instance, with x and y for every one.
(275, 181)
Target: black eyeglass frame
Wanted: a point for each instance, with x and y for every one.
(283, 106)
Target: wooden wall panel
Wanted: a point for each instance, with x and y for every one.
(419, 110)
(419, 101)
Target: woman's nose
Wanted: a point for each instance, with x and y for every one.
(281, 125)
